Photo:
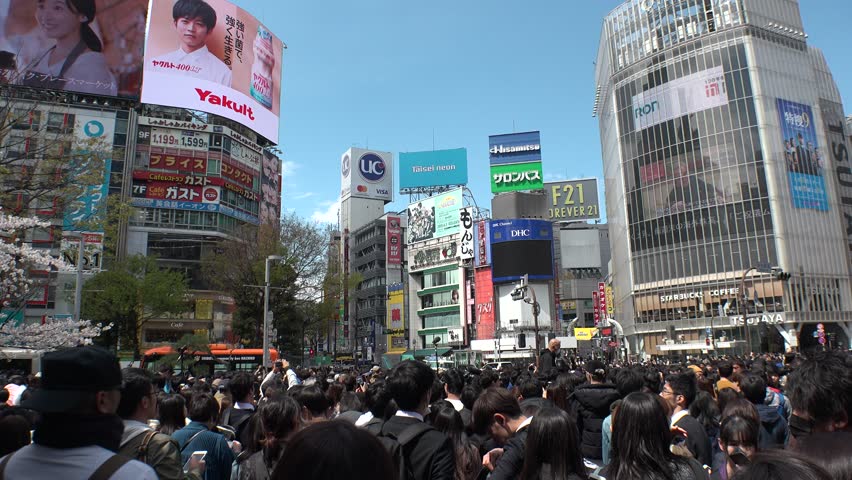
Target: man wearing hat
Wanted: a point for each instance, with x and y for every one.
(79, 431)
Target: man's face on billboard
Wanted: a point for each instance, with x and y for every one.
(192, 32)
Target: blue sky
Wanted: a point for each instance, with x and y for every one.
(386, 74)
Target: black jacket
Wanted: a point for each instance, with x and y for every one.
(696, 439)
(773, 428)
(431, 456)
(240, 420)
(546, 362)
(590, 405)
(511, 463)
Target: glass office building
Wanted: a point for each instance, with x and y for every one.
(719, 134)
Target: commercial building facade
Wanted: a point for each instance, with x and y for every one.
(719, 177)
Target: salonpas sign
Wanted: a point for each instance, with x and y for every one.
(516, 177)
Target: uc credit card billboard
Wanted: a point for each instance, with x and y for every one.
(366, 174)
(432, 169)
(213, 56)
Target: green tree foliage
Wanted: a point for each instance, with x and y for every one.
(131, 293)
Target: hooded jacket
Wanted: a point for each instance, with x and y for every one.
(590, 405)
(773, 428)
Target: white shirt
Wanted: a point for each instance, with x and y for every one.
(243, 406)
(199, 64)
(37, 462)
(403, 413)
(364, 419)
(677, 416)
(525, 423)
(457, 404)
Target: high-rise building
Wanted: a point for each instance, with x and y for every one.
(719, 132)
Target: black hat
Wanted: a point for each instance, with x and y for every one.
(69, 377)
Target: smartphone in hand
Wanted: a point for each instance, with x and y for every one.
(195, 460)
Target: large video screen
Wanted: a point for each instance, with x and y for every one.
(511, 260)
(85, 46)
(215, 57)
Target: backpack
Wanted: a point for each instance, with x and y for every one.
(395, 445)
(237, 426)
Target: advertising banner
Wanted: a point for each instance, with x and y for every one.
(690, 94)
(482, 245)
(217, 58)
(93, 250)
(432, 169)
(237, 174)
(466, 229)
(395, 324)
(177, 163)
(366, 174)
(602, 299)
(270, 189)
(836, 134)
(521, 247)
(195, 207)
(203, 309)
(107, 60)
(393, 231)
(484, 307)
(170, 191)
(597, 308)
(802, 155)
(183, 139)
(572, 200)
(514, 148)
(434, 217)
(585, 333)
(93, 135)
(516, 177)
(143, 177)
(610, 304)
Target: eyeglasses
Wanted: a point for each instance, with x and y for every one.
(667, 392)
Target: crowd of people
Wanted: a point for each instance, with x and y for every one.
(761, 417)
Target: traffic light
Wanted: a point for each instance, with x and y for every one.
(522, 340)
(783, 276)
(312, 353)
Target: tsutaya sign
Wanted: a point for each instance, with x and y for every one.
(719, 292)
(768, 318)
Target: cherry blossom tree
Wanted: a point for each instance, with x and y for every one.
(17, 258)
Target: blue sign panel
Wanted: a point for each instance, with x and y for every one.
(802, 155)
(433, 169)
(521, 247)
(195, 207)
(514, 148)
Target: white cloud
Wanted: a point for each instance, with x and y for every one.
(288, 168)
(301, 196)
(329, 214)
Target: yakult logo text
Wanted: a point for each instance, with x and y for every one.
(224, 101)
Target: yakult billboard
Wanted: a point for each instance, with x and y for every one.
(215, 57)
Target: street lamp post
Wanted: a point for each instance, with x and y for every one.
(266, 309)
(78, 287)
(744, 306)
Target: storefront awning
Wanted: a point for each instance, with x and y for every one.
(423, 353)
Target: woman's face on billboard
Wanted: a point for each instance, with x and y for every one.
(57, 19)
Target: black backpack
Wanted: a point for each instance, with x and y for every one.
(396, 446)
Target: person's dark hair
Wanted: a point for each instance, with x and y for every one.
(831, 450)
(87, 9)
(822, 387)
(195, 9)
(4, 395)
(530, 388)
(597, 369)
(724, 396)
(705, 410)
(739, 431)
(469, 396)
(349, 380)
(781, 465)
(570, 380)
(311, 398)
(552, 440)
(279, 420)
(350, 402)
(493, 401)
(241, 385)
(136, 384)
(454, 380)
(203, 408)
(740, 407)
(726, 369)
(171, 413)
(334, 392)
(376, 398)
(557, 394)
(753, 388)
(16, 432)
(444, 417)
(653, 383)
(628, 381)
(683, 384)
(641, 439)
(358, 455)
(409, 382)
